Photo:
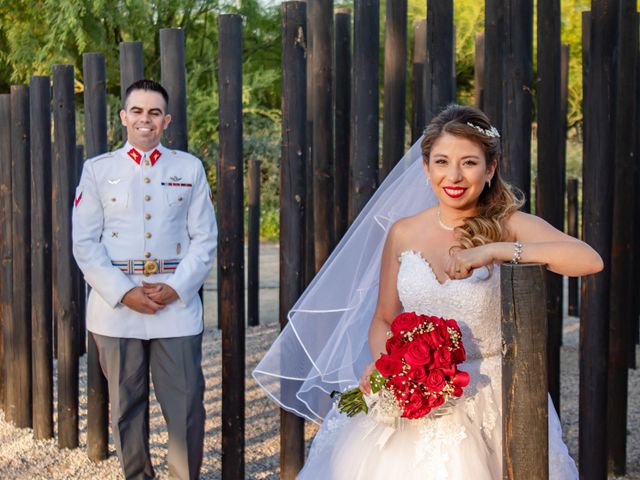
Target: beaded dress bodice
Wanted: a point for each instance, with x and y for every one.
(473, 302)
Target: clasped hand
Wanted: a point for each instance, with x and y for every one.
(461, 263)
(150, 297)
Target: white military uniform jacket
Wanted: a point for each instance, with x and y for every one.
(131, 207)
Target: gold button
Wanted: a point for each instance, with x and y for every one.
(147, 179)
(147, 198)
(113, 199)
(148, 234)
(147, 163)
(147, 254)
(147, 216)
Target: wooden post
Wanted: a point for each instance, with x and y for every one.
(518, 71)
(309, 260)
(551, 170)
(623, 291)
(573, 229)
(564, 99)
(18, 355)
(41, 314)
(439, 86)
(231, 244)
(494, 44)
(364, 107)
(253, 253)
(323, 173)
(6, 269)
(292, 205)
(63, 285)
(418, 122)
(395, 84)
(79, 294)
(478, 73)
(95, 103)
(131, 69)
(173, 74)
(636, 259)
(524, 373)
(342, 109)
(597, 206)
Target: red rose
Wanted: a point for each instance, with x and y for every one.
(453, 324)
(435, 401)
(460, 379)
(395, 345)
(403, 323)
(415, 405)
(442, 358)
(458, 355)
(434, 338)
(417, 353)
(435, 380)
(389, 365)
(400, 386)
(417, 374)
(448, 371)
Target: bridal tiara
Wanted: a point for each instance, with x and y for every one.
(489, 132)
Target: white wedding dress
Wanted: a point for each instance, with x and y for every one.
(464, 442)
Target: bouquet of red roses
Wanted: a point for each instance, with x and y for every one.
(418, 373)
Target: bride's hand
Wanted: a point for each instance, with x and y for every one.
(365, 383)
(461, 263)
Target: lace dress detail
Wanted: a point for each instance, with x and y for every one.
(466, 441)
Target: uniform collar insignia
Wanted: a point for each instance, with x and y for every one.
(155, 155)
(135, 155)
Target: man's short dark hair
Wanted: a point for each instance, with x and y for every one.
(148, 85)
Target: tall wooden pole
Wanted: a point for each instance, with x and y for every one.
(292, 207)
(6, 268)
(95, 105)
(573, 230)
(518, 71)
(524, 373)
(310, 247)
(418, 114)
(551, 169)
(253, 248)
(597, 215)
(494, 79)
(18, 355)
(623, 250)
(439, 86)
(364, 106)
(231, 244)
(63, 285)
(41, 314)
(323, 168)
(395, 84)
(131, 69)
(342, 122)
(173, 74)
(478, 72)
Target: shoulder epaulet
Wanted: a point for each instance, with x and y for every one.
(102, 156)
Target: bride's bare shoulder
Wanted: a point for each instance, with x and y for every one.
(408, 227)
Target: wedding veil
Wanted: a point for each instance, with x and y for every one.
(324, 346)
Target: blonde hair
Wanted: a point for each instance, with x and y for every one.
(499, 199)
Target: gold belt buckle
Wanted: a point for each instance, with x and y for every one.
(150, 267)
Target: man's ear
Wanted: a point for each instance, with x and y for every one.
(166, 121)
(123, 117)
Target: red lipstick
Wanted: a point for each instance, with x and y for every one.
(454, 192)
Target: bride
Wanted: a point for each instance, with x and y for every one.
(430, 245)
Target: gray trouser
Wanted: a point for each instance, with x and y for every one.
(175, 365)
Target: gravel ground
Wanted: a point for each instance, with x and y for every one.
(21, 457)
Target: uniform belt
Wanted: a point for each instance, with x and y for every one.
(146, 267)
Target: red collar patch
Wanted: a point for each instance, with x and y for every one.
(135, 155)
(77, 199)
(155, 155)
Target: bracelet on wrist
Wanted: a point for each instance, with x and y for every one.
(517, 254)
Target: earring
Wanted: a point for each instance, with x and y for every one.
(489, 183)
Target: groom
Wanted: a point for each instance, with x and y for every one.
(144, 235)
